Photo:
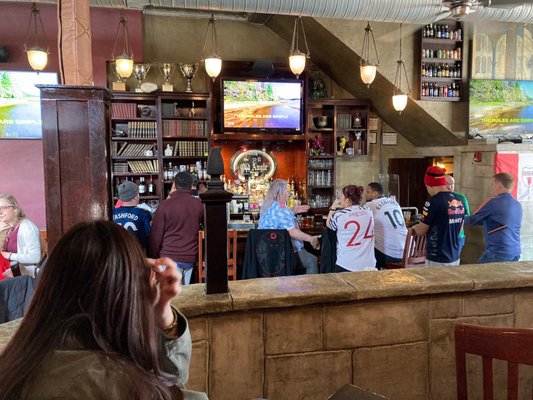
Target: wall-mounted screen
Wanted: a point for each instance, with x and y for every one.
(20, 103)
(501, 108)
(262, 106)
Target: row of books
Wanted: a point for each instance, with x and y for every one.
(142, 129)
(344, 121)
(123, 110)
(190, 148)
(143, 166)
(125, 149)
(184, 128)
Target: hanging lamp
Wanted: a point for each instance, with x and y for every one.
(368, 69)
(37, 56)
(124, 62)
(213, 63)
(297, 59)
(399, 98)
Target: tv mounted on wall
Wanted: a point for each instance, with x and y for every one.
(20, 103)
(501, 108)
(262, 106)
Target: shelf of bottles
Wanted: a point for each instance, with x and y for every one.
(441, 61)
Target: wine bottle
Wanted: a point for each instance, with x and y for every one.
(142, 187)
(151, 188)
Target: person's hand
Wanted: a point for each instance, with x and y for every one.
(301, 208)
(315, 242)
(4, 226)
(165, 281)
(336, 204)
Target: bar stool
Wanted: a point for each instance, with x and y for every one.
(232, 255)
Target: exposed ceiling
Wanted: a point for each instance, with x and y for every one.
(406, 11)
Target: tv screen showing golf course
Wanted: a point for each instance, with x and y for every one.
(501, 107)
(20, 103)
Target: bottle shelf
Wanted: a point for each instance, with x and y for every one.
(321, 157)
(435, 98)
(442, 60)
(441, 79)
(440, 41)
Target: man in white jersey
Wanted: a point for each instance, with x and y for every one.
(355, 231)
(389, 226)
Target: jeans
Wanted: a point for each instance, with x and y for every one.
(490, 257)
(186, 271)
(382, 258)
(442, 264)
(308, 261)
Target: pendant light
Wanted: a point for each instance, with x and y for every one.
(399, 98)
(367, 68)
(37, 56)
(213, 63)
(123, 62)
(296, 57)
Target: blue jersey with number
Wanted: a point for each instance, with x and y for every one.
(135, 220)
(444, 213)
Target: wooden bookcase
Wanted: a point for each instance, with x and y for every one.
(143, 126)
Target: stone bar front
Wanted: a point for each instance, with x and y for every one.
(391, 332)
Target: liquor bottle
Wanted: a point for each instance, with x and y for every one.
(151, 188)
(142, 186)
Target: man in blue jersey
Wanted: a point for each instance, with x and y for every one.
(501, 218)
(442, 220)
(132, 218)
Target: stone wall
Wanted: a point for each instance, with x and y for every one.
(390, 332)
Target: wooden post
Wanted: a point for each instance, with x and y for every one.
(216, 227)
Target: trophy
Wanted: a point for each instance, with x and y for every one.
(167, 69)
(140, 71)
(188, 71)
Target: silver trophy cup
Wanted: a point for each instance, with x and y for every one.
(140, 71)
(188, 71)
(167, 69)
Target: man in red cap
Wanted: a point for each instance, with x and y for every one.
(442, 220)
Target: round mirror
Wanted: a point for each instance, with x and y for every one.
(253, 165)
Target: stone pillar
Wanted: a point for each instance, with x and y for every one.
(75, 55)
(216, 227)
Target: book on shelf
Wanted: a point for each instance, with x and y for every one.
(123, 110)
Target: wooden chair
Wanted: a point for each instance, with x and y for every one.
(514, 345)
(414, 252)
(232, 255)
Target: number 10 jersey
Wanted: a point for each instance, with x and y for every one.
(389, 226)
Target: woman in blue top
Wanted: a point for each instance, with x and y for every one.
(276, 215)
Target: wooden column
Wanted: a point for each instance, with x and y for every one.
(75, 55)
(75, 146)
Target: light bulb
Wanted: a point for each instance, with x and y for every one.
(38, 58)
(399, 102)
(297, 63)
(368, 73)
(124, 66)
(213, 66)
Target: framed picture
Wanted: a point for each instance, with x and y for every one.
(389, 138)
(20, 103)
(373, 124)
(372, 137)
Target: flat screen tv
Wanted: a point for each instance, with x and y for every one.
(20, 103)
(262, 106)
(501, 108)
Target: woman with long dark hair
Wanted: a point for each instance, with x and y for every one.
(355, 231)
(100, 325)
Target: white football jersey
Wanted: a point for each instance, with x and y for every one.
(389, 226)
(355, 238)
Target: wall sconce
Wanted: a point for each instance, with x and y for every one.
(296, 57)
(37, 56)
(399, 98)
(368, 69)
(124, 62)
(213, 63)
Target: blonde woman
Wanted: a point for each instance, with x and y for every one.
(19, 237)
(276, 215)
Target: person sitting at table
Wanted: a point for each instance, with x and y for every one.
(355, 231)
(19, 237)
(389, 225)
(100, 324)
(276, 215)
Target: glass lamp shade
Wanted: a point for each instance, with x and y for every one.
(399, 102)
(213, 66)
(38, 58)
(368, 73)
(297, 63)
(124, 66)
